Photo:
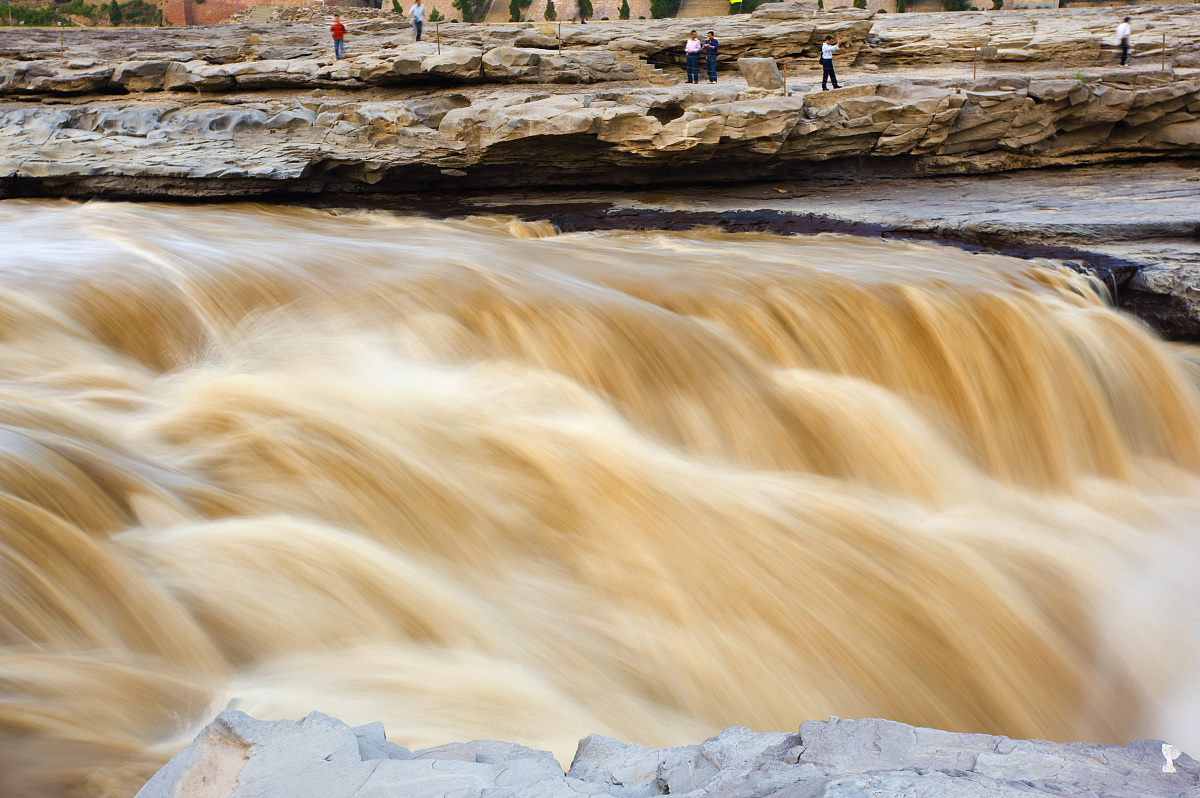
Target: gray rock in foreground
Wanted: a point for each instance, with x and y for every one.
(322, 757)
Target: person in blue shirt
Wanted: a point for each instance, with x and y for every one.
(710, 49)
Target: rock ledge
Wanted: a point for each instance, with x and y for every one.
(236, 755)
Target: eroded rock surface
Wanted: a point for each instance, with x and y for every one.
(236, 756)
(598, 136)
(127, 112)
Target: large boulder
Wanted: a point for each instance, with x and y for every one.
(510, 63)
(761, 73)
(456, 63)
(797, 9)
(140, 75)
(402, 67)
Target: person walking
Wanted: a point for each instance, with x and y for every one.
(339, 37)
(828, 48)
(691, 52)
(1123, 33)
(417, 13)
(710, 50)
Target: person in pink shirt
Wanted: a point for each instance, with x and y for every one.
(691, 51)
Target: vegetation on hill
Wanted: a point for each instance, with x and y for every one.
(133, 13)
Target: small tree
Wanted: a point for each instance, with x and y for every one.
(623, 11)
(114, 13)
(470, 8)
(585, 10)
(514, 10)
(396, 7)
(860, 3)
(551, 14)
(435, 16)
(662, 9)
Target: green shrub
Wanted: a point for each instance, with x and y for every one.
(860, 3)
(585, 9)
(470, 8)
(78, 8)
(115, 15)
(551, 12)
(956, 5)
(436, 16)
(30, 16)
(662, 9)
(997, 5)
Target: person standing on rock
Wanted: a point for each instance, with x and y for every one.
(1123, 33)
(710, 50)
(691, 52)
(417, 12)
(339, 37)
(828, 48)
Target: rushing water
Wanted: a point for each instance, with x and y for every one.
(477, 480)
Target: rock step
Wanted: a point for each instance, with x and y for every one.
(497, 11)
(695, 9)
(647, 71)
(260, 14)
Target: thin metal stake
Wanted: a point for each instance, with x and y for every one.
(437, 30)
(975, 67)
(1164, 53)
(560, 38)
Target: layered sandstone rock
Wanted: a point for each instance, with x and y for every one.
(598, 136)
(40, 62)
(319, 756)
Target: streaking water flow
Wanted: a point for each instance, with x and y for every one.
(474, 479)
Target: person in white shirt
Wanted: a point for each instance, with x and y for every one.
(417, 12)
(1123, 32)
(828, 48)
(691, 51)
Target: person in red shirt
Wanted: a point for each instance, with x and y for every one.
(339, 36)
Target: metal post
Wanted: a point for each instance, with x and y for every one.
(560, 37)
(975, 66)
(437, 31)
(1164, 53)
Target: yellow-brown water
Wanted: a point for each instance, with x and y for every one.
(476, 480)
